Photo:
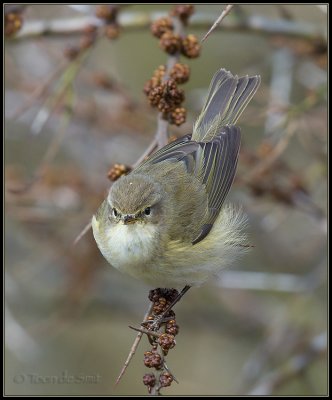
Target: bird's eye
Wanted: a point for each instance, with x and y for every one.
(147, 211)
(115, 213)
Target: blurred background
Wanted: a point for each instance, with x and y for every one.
(74, 107)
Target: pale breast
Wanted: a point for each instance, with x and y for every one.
(130, 244)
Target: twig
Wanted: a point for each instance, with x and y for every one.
(146, 331)
(162, 127)
(293, 368)
(133, 347)
(82, 233)
(38, 92)
(67, 79)
(152, 146)
(225, 12)
(47, 158)
(281, 146)
(137, 20)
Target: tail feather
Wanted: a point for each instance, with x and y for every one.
(228, 97)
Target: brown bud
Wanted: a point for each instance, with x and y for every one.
(155, 95)
(112, 31)
(107, 12)
(165, 379)
(103, 81)
(178, 116)
(149, 380)
(168, 294)
(154, 294)
(87, 41)
(170, 42)
(117, 170)
(183, 11)
(190, 46)
(71, 52)
(172, 328)
(90, 29)
(160, 26)
(166, 341)
(160, 305)
(152, 360)
(180, 73)
(13, 23)
(159, 72)
(167, 96)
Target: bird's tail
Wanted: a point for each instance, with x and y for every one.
(228, 97)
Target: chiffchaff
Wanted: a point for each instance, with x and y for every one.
(165, 222)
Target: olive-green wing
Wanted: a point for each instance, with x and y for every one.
(213, 163)
(216, 170)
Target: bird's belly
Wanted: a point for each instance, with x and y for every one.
(130, 246)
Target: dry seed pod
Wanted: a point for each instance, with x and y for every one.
(117, 170)
(170, 42)
(178, 116)
(180, 73)
(190, 46)
(160, 26)
(183, 12)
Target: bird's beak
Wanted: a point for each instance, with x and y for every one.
(129, 219)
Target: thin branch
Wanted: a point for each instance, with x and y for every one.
(39, 92)
(295, 367)
(150, 149)
(49, 155)
(225, 12)
(133, 347)
(83, 232)
(146, 331)
(137, 20)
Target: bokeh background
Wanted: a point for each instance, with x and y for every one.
(259, 329)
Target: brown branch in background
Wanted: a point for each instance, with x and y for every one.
(150, 149)
(84, 231)
(294, 367)
(225, 12)
(39, 92)
(268, 174)
(43, 116)
(76, 55)
(138, 20)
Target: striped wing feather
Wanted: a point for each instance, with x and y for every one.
(213, 163)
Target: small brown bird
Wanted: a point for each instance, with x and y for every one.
(166, 223)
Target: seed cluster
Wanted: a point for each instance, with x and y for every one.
(161, 26)
(190, 46)
(183, 12)
(180, 73)
(108, 13)
(170, 42)
(161, 298)
(117, 170)
(152, 359)
(165, 379)
(13, 22)
(162, 89)
(166, 341)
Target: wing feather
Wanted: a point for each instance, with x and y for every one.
(212, 163)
